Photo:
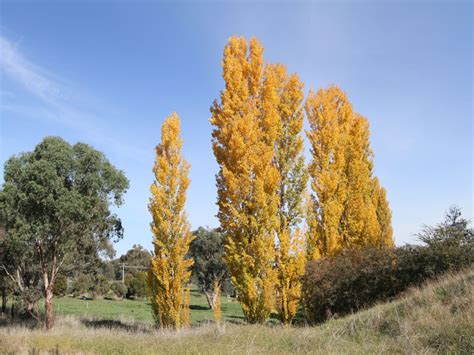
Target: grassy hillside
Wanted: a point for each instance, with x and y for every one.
(438, 318)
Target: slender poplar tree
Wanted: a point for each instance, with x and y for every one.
(169, 268)
(359, 224)
(329, 113)
(384, 214)
(348, 208)
(244, 137)
(289, 160)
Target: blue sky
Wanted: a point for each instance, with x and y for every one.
(108, 73)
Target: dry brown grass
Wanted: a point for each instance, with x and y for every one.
(437, 318)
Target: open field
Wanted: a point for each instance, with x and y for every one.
(140, 310)
(438, 318)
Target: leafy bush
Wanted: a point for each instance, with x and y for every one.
(136, 285)
(90, 285)
(347, 282)
(449, 246)
(102, 286)
(357, 279)
(60, 286)
(82, 284)
(119, 289)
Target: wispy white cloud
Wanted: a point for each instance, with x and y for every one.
(33, 78)
(59, 101)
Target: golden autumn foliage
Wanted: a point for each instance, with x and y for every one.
(384, 215)
(186, 310)
(349, 209)
(289, 160)
(359, 220)
(169, 269)
(290, 263)
(244, 136)
(329, 113)
(217, 303)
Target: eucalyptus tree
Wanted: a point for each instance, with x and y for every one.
(56, 200)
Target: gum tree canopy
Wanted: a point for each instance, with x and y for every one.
(56, 203)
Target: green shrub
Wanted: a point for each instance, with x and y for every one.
(357, 279)
(60, 286)
(119, 289)
(82, 284)
(102, 286)
(343, 284)
(136, 285)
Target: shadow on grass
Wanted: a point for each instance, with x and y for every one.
(198, 308)
(239, 321)
(22, 320)
(86, 298)
(236, 317)
(115, 325)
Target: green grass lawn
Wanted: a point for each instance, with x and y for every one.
(140, 310)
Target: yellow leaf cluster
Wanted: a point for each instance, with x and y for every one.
(217, 303)
(384, 215)
(348, 208)
(290, 263)
(169, 269)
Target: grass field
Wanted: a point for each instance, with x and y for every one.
(140, 310)
(438, 318)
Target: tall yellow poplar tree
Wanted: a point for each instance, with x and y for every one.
(245, 131)
(289, 160)
(349, 209)
(329, 113)
(169, 269)
(384, 215)
(359, 224)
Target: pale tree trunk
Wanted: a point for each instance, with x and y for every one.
(48, 297)
(210, 298)
(48, 284)
(48, 306)
(215, 295)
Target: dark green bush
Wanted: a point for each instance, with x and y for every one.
(136, 285)
(102, 285)
(347, 282)
(357, 279)
(60, 286)
(119, 289)
(82, 284)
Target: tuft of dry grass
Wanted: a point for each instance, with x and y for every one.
(437, 318)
